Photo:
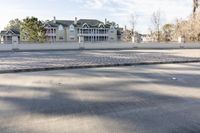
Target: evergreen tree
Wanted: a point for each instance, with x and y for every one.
(32, 30)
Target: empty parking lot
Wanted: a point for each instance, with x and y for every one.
(143, 99)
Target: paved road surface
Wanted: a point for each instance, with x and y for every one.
(57, 59)
(140, 99)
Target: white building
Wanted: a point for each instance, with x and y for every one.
(10, 36)
(70, 30)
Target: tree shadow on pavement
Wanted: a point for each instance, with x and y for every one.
(119, 100)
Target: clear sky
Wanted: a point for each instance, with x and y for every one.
(114, 10)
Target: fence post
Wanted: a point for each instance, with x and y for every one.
(15, 42)
(81, 42)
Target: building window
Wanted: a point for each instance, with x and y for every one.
(101, 31)
(61, 38)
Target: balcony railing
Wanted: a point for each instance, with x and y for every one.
(50, 34)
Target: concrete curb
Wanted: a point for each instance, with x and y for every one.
(94, 66)
(103, 49)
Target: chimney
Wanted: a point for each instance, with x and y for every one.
(76, 20)
(54, 19)
(125, 28)
(105, 20)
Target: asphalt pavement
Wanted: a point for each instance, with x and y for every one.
(137, 99)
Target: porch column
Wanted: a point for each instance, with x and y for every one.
(6, 39)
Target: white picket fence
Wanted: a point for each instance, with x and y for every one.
(96, 46)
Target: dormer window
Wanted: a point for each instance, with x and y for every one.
(71, 28)
(101, 26)
(85, 25)
(60, 28)
(112, 27)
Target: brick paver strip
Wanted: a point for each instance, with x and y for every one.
(55, 60)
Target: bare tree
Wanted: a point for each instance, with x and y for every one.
(156, 21)
(195, 6)
(133, 22)
(189, 29)
(126, 35)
